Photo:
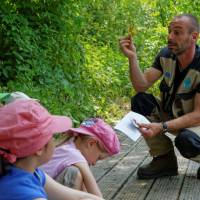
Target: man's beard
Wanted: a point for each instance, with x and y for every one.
(175, 49)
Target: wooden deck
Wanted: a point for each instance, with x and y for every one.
(117, 178)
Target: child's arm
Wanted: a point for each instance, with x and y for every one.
(88, 179)
(83, 188)
(56, 191)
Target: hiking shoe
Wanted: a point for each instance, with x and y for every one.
(164, 165)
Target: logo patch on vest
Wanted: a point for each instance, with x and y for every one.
(167, 74)
(187, 83)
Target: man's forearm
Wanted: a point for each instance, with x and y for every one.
(136, 75)
(185, 121)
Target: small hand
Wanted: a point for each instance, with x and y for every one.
(150, 130)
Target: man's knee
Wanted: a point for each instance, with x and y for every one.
(188, 143)
(143, 103)
(137, 101)
(138, 98)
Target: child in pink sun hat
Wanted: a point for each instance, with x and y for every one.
(70, 165)
(26, 142)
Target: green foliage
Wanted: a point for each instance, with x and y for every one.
(42, 55)
(65, 52)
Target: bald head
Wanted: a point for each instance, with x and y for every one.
(193, 23)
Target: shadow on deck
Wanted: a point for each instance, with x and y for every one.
(117, 178)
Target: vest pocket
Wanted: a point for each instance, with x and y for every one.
(186, 96)
(165, 96)
(184, 103)
(164, 87)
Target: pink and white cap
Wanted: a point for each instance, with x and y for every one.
(103, 132)
(26, 126)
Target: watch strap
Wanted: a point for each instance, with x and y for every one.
(165, 127)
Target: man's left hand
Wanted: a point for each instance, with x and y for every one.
(150, 130)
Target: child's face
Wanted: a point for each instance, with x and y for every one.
(49, 149)
(94, 151)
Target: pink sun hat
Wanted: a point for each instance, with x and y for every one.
(26, 126)
(97, 128)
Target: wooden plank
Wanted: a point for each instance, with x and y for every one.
(169, 187)
(163, 188)
(105, 166)
(121, 136)
(190, 189)
(111, 183)
(117, 176)
(135, 189)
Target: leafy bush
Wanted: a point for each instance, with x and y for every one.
(65, 52)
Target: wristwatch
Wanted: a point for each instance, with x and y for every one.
(165, 127)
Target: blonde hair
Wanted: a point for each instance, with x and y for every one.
(82, 137)
(99, 143)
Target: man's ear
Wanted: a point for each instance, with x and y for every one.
(195, 36)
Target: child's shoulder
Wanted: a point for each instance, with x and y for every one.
(68, 148)
(23, 184)
(63, 138)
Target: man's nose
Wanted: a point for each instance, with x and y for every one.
(170, 36)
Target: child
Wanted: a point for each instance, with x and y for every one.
(94, 140)
(26, 142)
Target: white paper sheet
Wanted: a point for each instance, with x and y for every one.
(126, 125)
